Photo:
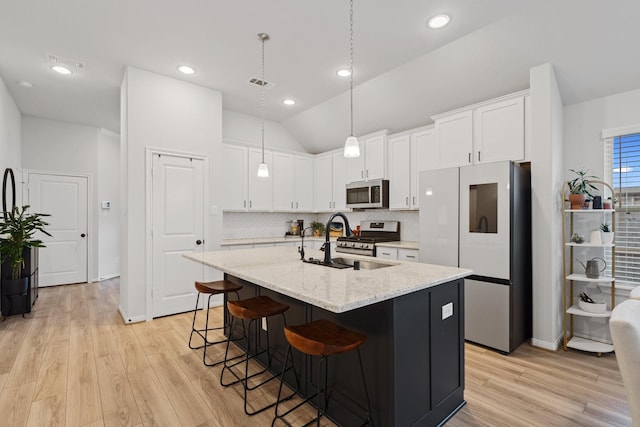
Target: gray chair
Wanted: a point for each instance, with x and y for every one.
(625, 332)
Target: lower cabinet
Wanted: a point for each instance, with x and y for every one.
(402, 254)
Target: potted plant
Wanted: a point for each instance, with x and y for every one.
(579, 188)
(607, 234)
(17, 229)
(318, 228)
(609, 203)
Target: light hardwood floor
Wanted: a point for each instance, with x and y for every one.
(73, 362)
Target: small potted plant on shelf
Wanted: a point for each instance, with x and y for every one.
(318, 228)
(580, 188)
(607, 234)
(610, 203)
(17, 229)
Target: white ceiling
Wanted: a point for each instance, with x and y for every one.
(404, 72)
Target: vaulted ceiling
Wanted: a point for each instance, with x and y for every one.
(404, 72)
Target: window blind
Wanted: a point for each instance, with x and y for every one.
(622, 171)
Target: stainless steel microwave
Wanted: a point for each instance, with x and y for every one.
(368, 194)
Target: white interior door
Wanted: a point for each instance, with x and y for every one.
(177, 228)
(64, 259)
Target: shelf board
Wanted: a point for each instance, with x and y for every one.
(584, 278)
(585, 344)
(574, 309)
(591, 245)
(589, 210)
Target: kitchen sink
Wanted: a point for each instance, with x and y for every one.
(343, 263)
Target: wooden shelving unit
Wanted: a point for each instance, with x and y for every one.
(575, 281)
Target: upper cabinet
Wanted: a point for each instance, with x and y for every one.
(303, 183)
(292, 183)
(372, 161)
(483, 133)
(235, 169)
(409, 154)
(323, 182)
(260, 189)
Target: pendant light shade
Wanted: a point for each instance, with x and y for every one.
(263, 169)
(351, 146)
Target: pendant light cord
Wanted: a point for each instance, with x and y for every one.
(264, 38)
(351, 61)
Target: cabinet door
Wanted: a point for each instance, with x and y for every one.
(399, 172)
(283, 182)
(499, 131)
(260, 189)
(386, 253)
(375, 156)
(455, 139)
(340, 179)
(303, 184)
(235, 176)
(323, 183)
(425, 155)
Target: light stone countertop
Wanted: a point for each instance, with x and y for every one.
(338, 290)
(401, 244)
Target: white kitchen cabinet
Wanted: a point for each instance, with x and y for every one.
(372, 161)
(455, 138)
(235, 175)
(527, 128)
(499, 131)
(340, 180)
(260, 189)
(386, 253)
(303, 184)
(410, 255)
(409, 154)
(487, 132)
(283, 182)
(323, 182)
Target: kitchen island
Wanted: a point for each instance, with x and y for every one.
(412, 314)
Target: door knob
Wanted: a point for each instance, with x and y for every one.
(198, 242)
(83, 235)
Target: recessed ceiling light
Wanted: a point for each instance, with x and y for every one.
(25, 84)
(343, 72)
(185, 69)
(438, 21)
(289, 102)
(60, 69)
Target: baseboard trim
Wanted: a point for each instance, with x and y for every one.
(547, 345)
(127, 319)
(108, 276)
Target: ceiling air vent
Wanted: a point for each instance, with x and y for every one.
(258, 82)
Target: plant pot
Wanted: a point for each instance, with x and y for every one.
(577, 200)
(607, 204)
(15, 286)
(316, 233)
(607, 237)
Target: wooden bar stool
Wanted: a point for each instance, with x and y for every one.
(253, 310)
(323, 338)
(210, 288)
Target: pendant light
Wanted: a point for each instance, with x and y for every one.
(351, 146)
(263, 169)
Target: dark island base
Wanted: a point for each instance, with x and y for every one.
(413, 359)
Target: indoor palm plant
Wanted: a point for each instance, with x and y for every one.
(317, 227)
(17, 229)
(580, 188)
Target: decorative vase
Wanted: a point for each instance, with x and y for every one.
(607, 238)
(576, 200)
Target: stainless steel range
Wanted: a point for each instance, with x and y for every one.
(371, 232)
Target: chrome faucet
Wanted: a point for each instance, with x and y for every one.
(327, 243)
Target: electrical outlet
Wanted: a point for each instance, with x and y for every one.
(447, 311)
(264, 323)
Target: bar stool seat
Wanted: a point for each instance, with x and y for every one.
(210, 288)
(323, 338)
(253, 309)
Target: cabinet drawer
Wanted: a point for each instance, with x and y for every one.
(410, 255)
(386, 253)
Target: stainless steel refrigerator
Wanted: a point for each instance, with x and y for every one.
(479, 217)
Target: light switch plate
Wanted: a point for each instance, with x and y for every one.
(447, 311)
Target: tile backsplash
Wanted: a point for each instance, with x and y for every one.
(245, 225)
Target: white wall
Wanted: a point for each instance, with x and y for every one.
(546, 181)
(237, 127)
(166, 113)
(53, 146)
(10, 138)
(108, 190)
